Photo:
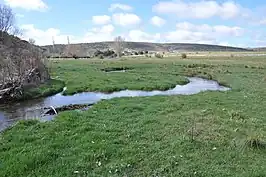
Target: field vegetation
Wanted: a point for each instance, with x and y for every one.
(208, 134)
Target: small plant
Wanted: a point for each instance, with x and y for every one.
(136, 53)
(252, 141)
(183, 55)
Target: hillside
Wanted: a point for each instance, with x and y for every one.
(89, 48)
(21, 65)
(10, 43)
(260, 49)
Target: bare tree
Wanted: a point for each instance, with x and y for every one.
(31, 41)
(7, 19)
(72, 50)
(119, 45)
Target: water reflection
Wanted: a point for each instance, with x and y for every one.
(34, 108)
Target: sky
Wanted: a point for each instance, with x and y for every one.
(239, 23)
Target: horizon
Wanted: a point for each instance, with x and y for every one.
(224, 23)
(153, 43)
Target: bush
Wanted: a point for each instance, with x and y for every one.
(158, 55)
(146, 52)
(108, 53)
(184, 55)
(136, 53)
(101, 56)
(98, 53)
(141, 53)
(75, 56)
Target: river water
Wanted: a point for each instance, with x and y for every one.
(9, 114)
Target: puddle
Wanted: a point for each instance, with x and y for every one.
(117, 69)
(9, 114)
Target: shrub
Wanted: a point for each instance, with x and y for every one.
(98, 53)
(141, 52)
(146, 52)
(75, 56)
(108, 53)
(101, 56)
(184, 55)
(113, 56)
(136, 53)
(158, 55)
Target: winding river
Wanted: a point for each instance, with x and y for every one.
(10, 114)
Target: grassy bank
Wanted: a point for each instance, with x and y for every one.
(49, 88)
(208, 134)
(90, 76)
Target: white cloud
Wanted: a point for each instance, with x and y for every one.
(104, 33)
(218, 29)
(200, 10)
(228, 31)
(157, 21)
(27, 4)
(140, 36)
(262, 22)
(191, 33)
(44, 37)
(123, 7)
(101, 19)
(20, 15)
(126, 19)
(183, 36)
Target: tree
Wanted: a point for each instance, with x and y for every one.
(119, 45)
(31, 41)
(7, 19)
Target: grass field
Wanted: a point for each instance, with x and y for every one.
(47, 89)
(208, 134)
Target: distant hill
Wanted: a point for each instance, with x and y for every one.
(260, 49)
(89, 48)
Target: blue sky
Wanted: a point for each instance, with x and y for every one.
(224, 22)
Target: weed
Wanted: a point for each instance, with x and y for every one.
(252, 141)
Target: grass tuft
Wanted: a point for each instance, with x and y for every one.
(252, 141)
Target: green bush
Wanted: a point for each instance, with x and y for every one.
(184, 55)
